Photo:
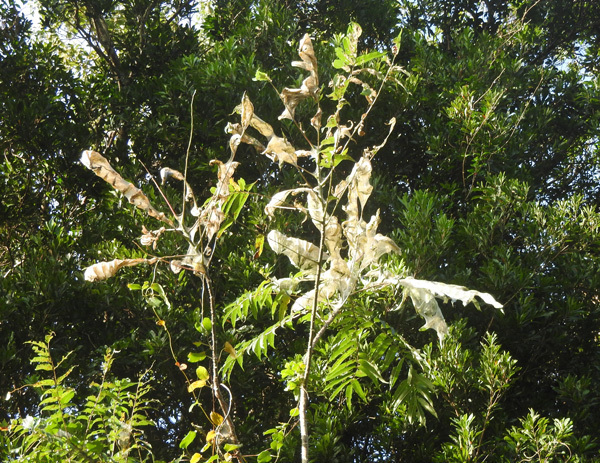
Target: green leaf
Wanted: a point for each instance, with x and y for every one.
(194, 357)
(349, 392)
(337, 158)
(66, 398)
(187, 440)
(230, 447)
(339, 64)
(264, 457)
(331, 122)
(261, 76)
(156, 287)
(365, 367)
(339, 370)
(358, 389)
(202, 373)
(362, 59)
(44, 366)
(44, 382)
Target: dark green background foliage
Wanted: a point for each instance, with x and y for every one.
(491, 180)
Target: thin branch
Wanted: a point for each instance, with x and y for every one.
(303, 403)
(225, 408)
(187, 157)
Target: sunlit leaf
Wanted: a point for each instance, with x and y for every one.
(105, 270)
(363, 59)
(264, 457)
(210, 435)
(187, 440)
(230, 349)
(303, 254)
(202, 373)
(101, 167)
(261, 76)
(194, 357)
(247, 111)
(216, 419)
(196, 385)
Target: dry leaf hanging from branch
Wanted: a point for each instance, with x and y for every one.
(236, 129)
(427, 307)
(310, 86)
(102, 168)
(105, 270)
(303, 254)
(278, 149)
(212, 215)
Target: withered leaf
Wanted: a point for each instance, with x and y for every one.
(236, 129)
(281, 151)
(301, 253)
(104, 270)
(310, 85)
(247, 111)
(167, 172)
(102, 168)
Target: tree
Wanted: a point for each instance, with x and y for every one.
(489, 181)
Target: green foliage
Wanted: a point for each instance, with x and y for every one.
(104, 426)
(487, 179)
(539, 440)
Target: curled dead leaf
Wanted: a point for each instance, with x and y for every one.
(181, 366)
(247, 111)
(102, 168)
(302, 254)
(167, 172)
(316, 120)
(264, 128)
(310, 85)
(245, 138)
(426, 306)
(281, 151)
(105, 270)
(277, 201)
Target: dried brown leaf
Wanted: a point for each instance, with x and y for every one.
(362, 170)
(224, 174)
(281, 151)
(315, 208)
(302, 254)
(333, 237)
(276, 201)
(291, 97)
(263, 127)
(247, 111)
(167, 172)
(105, 270)
(310, 85)
(307, 54)
(316, 120)
(102, 168)
(248, 139)
(426, 306)
(211, 219)
(234, 142)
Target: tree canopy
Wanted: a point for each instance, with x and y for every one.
(278, 230)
